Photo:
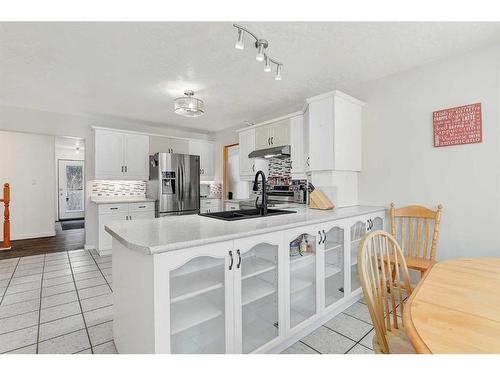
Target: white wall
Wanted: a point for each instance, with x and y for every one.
(27, 163)
(400, 163)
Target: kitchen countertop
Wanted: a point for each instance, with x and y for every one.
(104, 200)
(152, 236)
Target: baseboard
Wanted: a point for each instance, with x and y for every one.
(89, 247)
(27, 236)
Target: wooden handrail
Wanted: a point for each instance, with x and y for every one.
(6, 216)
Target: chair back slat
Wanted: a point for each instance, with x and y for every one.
(384, 279)
(411, 227)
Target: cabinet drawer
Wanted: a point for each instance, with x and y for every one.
(113, 208)
(141, 206)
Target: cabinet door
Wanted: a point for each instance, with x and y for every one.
(263, 137)
(205, 150)
(141, 215)
(333, 259)
(280, 133)
(109, 155)
(307, 158)
(358, 230)
(257, 300)
(136, 157)
(246, 146)
(302, 273)
(178, 146)
(200, 292)
(297, 145)
(321, 134)
(105, 239)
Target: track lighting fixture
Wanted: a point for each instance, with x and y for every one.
(267, 67)
(261, 45)
(277, 77)
(240, 44)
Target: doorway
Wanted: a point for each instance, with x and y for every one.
(71, 189)
(233, 187)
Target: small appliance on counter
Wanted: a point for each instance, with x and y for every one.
(174, 183)
(299, 188)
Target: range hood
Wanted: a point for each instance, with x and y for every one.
(280, 152)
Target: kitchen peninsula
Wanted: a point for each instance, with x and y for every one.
(193, 284)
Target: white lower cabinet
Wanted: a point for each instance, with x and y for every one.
(210, 205)
(108, 213)
(251, 295)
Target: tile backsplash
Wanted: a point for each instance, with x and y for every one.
(105, 188)
(280, 167)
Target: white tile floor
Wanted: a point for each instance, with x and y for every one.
(56, 303)
(63, 302)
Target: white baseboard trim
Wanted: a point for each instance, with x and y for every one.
(89, 247)
(26, 236)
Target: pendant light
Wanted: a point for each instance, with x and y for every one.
(240, 44)
(267, 67)
(188, 105)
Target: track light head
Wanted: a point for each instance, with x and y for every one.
(261, 45)
(267, 67)
(277, 77)
(240, 43)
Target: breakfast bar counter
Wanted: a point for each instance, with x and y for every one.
(196, 284)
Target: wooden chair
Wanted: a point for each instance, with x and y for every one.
(410, 226)
(383, 286)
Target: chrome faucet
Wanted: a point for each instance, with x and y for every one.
(263, 207)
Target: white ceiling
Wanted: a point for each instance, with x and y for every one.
(135, 70)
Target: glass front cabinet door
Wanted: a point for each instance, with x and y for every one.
(358, 229)
(302, 264)
(258, 318)
(200, 289)
(333, 275)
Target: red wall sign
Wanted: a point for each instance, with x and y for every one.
(457, 126)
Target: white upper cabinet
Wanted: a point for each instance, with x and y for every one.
(248, 167)
(334, 123)
(121, 155)
(272, 135)
(166, 144)
(109, 149)
(205, 150)
(297, 145)
(136, 156)
(246, 146)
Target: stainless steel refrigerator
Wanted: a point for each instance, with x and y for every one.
(174, 183)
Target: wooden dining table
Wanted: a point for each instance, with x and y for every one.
(455, 308)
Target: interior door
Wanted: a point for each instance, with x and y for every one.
(71, 183)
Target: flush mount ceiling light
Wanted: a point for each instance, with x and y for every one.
(261, 45)
(188, 105)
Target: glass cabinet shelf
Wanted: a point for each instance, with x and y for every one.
(194, 311)
(256, 267)
(255, 289)
(194, 283)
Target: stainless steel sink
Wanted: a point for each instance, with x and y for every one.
(244, 214)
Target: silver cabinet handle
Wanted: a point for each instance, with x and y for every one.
(125, 169)
(320, 237)
(272, 140)
(142, 206)
(232, 260)
(122, 168)
(113, 208)
(324, 234)
(308, 158)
